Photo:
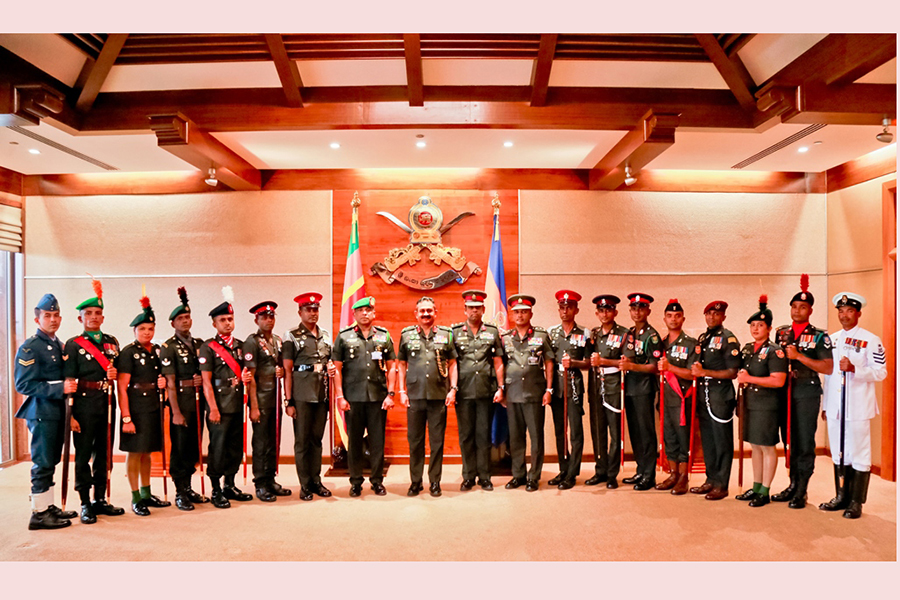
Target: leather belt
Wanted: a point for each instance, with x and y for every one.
(143, 387)
(186, 383)
(609, 370)
(93, 385)
(302, 368)
(231, 382)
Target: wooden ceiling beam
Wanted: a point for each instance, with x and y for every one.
(287, 69)
(415, 83)
(540, 70)
(637, 148)
(838, 59)
(100, 70)
(856, 104)
(182, 137)
(731, 69)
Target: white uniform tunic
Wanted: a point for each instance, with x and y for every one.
(865, 351)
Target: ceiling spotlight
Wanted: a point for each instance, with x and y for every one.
(335, 145)
(630, 179)
(507, 144)
(34, 151)
(420, 144)
(803, 149)
(211, 179)
(885, 137)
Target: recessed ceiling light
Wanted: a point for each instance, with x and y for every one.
(803, 149)
(335, 145)
(420, 144)
(34, 151)
(507, 144)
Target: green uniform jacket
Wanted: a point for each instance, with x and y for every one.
(180, 360)
(718, 350)
(475, 360)
(576, 345)
(768, 359)
(79, 364)
(606, 345)
(643, 347)
(144, 367)
(525, 381)
(364, 370)
(310, 355)
(427, 356)
(813, 343)
(264, 357)
(227, 385)
(681, 353)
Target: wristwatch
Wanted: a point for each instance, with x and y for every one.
(391, 393)
(455, 388)
(549, 390)
(126, 420)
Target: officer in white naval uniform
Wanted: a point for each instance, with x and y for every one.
(860, 356)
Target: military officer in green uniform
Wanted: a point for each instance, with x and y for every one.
(679, 354)
(224, 378)
(604, 391)
(569, 342)
(92, 359)
(643, 349)
(365, 369)
(139, 383)
(262, 356)
(181, 369)
(427, 381)
(39, 377)
(719, 360)
(307, 358)
(529, 388)
(810, 352)
(480, 365)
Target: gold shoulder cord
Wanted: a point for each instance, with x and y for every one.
(442, 368)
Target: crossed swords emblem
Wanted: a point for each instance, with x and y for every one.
(425, 230)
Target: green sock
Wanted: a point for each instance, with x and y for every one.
(763, 490)
(145, 491)
(135, 496)
(756, 487)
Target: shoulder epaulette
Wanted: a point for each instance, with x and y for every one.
(444, 327)
(539, 328)
(407, 328)
(380, 328)
(348, 328)
(455, 325)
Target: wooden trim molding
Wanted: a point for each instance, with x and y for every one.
(11, 181)
(865, 168)
(889, 331)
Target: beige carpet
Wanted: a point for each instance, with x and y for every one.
(582, 524)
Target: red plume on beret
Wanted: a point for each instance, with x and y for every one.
(98, 287)
(145, 302)
(673, 301)
(763, 302)
(804, 283)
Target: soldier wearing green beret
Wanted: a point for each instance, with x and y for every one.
(427, 381)
(181, 368)
(92, 360)
(365, 369)
(139, 380)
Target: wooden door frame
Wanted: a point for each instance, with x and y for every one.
(889, 331)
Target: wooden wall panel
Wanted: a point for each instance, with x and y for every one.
(10, 182)
(867, 167)
(395, 303)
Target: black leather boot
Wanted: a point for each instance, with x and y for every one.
(787, 494)
(799, 499)
(859, 490)
(842, 493)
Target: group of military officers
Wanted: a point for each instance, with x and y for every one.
(472, 366)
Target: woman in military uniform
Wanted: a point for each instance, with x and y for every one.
(140, 430)
(762, 374)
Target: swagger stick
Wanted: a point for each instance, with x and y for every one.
(277, 423)
(67, 444)
(741, 414)
(841, 468)
(622, 421)
(787, 443)
(661, 463)
(109, 452)
(693, 424)
(200, 440)
(566, 411)
(244, 444)
(162, 423)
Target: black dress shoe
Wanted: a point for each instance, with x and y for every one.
(566, 484)
(702, 489)
(466, 485)
(798, 501)
(266, 496)
(60, 513)
(557, 480)
(633, 479)
(46, 519)
(87, 514)
(748, 496)
(787, 494)
(156, 502)
(646, 483)
(305, 494)
(195, 498)
(531, 486)
(379, 490)
(595, 480)
(233, 493)
(140, 508)
(320, 490)
(414, 489)
(435, 489)
(276, 489)
(355, 491)
(515, 482)
(102, 507)
(854, 510)
(612, 484)
(183, 502)
(486, 485)
(760, 501)
(219, 500)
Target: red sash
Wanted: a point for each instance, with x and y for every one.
(93, 351)
(226, 356)
(673, 383)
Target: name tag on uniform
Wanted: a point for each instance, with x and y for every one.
(535, 342)
(486, 335)
(440, 339)
(533, 360)
(380, 338)
(376, 354)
